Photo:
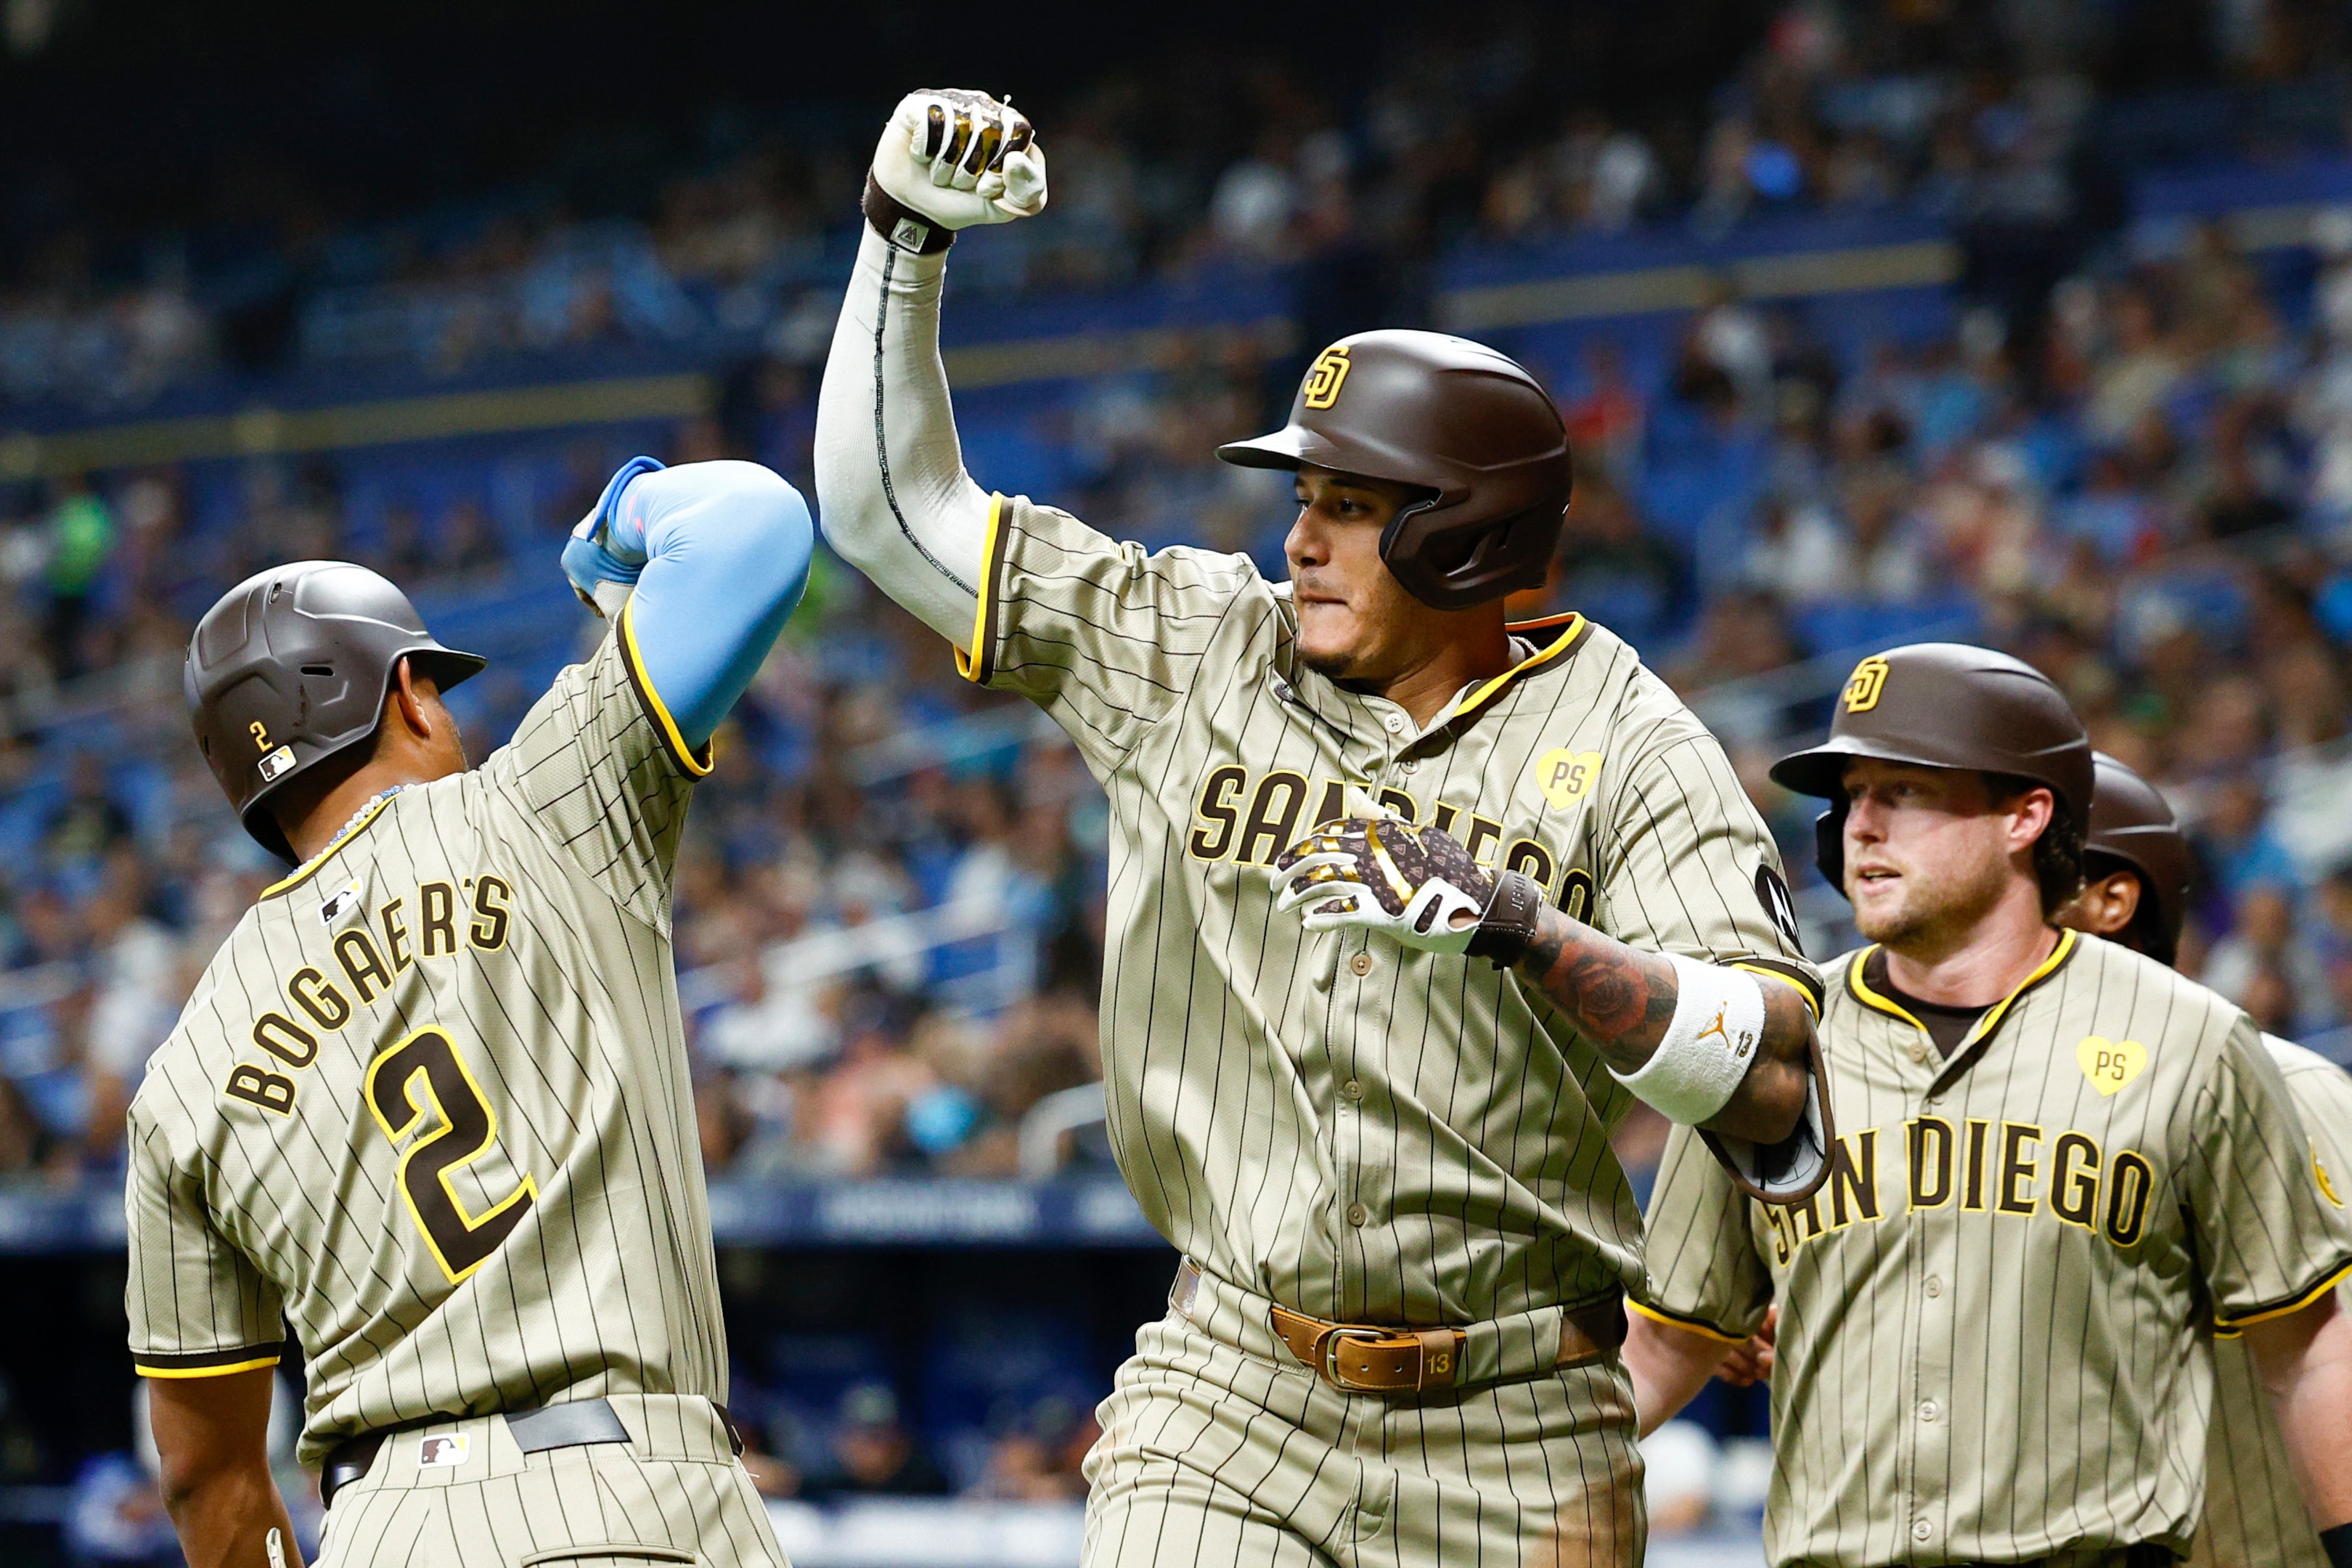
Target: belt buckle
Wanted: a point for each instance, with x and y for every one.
(1332, 1373)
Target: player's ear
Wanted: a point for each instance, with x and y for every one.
(414, 701)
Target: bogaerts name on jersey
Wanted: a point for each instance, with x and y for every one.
(366, 958)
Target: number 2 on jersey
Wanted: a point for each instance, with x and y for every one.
(423, 1076)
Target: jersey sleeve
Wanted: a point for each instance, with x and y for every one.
(198, 1306)
(603, 770)
(2272, 1237)
(1706, 1273)
(2322, 1092)
(1685, 864)
(1103, 636)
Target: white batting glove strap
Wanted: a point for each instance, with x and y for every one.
(1330, 882)
(1709, 1045)
(961, 158)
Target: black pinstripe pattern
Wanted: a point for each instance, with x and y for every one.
(2069, 1375)
(569, 1027)
(1354, 1129)
(2254, 1516)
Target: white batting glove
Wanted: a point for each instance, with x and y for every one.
(961, 158)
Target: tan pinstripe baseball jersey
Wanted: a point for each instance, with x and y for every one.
(2254, 1517)
(430, 1099)
(1352, 1128)
(1994, 1318)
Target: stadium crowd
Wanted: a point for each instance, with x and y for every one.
(2158, 512)
(1976, 116)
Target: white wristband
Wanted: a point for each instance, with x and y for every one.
(1708, 1046)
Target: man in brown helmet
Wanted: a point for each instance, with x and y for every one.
(1407, 1243)
(2135, 892)
(429, 1104)
(2058, 1168)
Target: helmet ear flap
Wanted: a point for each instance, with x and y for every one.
(1829, 845)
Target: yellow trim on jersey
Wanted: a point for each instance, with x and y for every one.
(673, 738)
(310, 866)
(980, 663)
(1869, 999)
(188, 1372)
(1993, 1014)
(1686, 1325)
(2058, 956)
(1575, 625)
(2230, 1328)
(1790, 981)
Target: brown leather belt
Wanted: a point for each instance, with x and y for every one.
(1366, 1358)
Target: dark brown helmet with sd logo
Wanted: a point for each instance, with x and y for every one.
(1950, 705)
(2132, 829)
(291, 666)
(1448, 416)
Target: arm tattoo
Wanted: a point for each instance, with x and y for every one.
(1621, 998)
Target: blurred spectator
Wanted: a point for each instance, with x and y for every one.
(873, 1454)
(1040, 1459)
(1679, 1461)
(90, 821)
(1607, 419)
(80, 536)
(2264, 966)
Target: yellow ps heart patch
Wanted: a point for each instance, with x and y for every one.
(1565, 776)
(2110, 1064)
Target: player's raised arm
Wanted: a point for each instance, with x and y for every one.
(889, 474)
(702, 564)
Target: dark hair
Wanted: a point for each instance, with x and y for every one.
(2058, 853)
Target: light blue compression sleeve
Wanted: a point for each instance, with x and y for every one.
(720, 552)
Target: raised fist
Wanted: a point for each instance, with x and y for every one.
(959, 158)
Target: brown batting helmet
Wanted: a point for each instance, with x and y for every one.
(1943, 705)
(291, 666)
(1448, 416)
(2132, 829)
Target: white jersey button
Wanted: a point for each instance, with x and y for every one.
(1361, 964)
(1353, 1088)
(1934, 1287)
(1392, 722)
(1357, 1215)
(1409, 765)
(1921, 1530)
(1918, 1053)
(1927, 1411)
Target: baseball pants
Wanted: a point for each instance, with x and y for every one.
(1218, 1445)
(673, 1494)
